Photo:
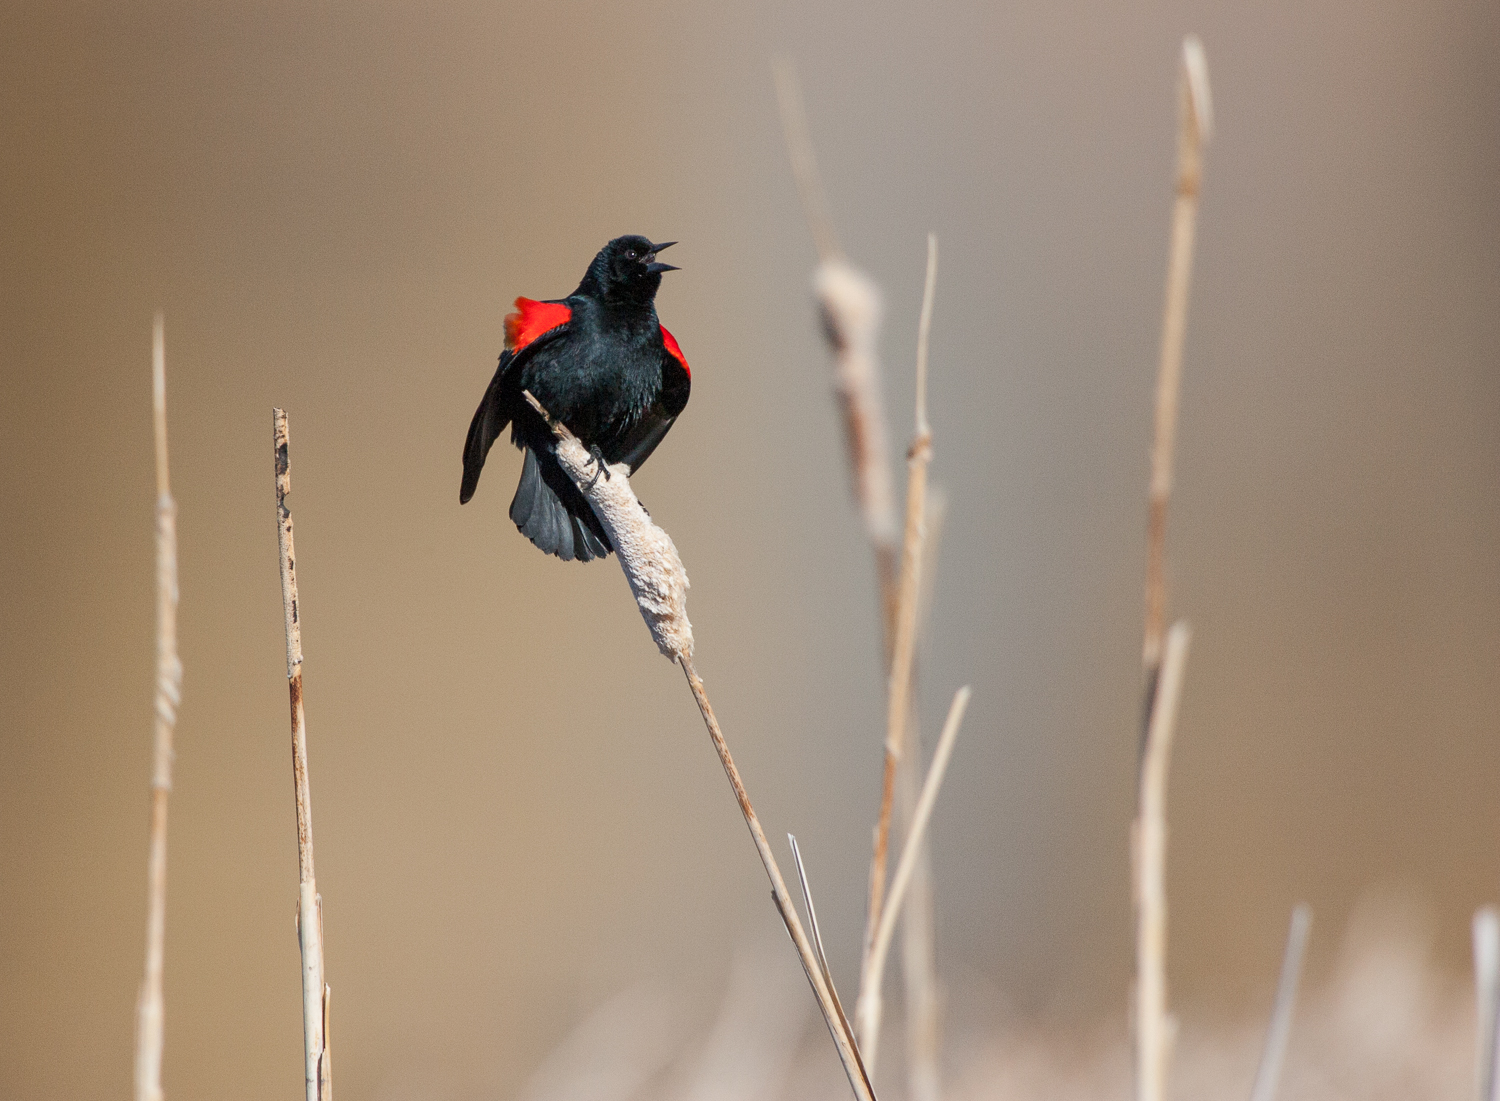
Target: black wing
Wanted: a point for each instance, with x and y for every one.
(495, 411)
(646, 433)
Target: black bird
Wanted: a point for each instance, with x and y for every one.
(601, 363)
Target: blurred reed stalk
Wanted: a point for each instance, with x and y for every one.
(799, 149)
(659, 582)
(923, 999)
(849, 305)
(315, 990)
(1195, 128)
(1155, 1029)
(867, 1011)
(1487, 1002)
(1164, 653)
(150, 1011)
(1268, 1074)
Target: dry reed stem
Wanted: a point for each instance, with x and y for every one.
(1487, 999)
(659, 582)
(799, 150)
(867, 1010)
(850, 308)
(1154, 1029)
(849, 305)
(150, 1011)
(903, 649)
(812, 912)
(921, 996)
(1268, 1074)
(1196, 126)
(1162, 665)
(922, 999)
(843, 1039)
(315, 992)
(817, 941)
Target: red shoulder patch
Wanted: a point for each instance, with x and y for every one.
(531, 320)
(674, 351)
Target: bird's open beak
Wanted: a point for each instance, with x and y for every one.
(656, 267)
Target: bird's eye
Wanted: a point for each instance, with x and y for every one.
(631, 254)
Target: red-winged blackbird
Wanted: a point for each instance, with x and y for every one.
(601, 363)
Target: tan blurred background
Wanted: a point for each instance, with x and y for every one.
(517, 811)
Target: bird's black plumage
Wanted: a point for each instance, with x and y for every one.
(600, 362)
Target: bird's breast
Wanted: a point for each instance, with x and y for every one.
(598, 384)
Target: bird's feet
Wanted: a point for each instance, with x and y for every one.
(600, 468)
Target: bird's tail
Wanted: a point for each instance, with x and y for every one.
(553, 514)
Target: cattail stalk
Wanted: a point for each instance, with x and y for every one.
(1154, 1026)
(849, 305)
(843, 1038)
(659, 582)
(1164, 653)
(867, 1012)
(315, 991)
(799, 150)
(150, 1010)
(903, 650)
(922, 997)
(1195, 128)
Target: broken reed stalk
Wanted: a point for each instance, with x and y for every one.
(903, 649)
(150, 1011)
(1268, 1074)
(812, 922)
(849, 305)
(1487, 999)
(844, 1028)
(1196, 126)
(1162, 661)
(315, 990)
(657, 579)
(867, 1010)
(1154, 1028)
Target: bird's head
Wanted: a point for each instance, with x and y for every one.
(627, 270)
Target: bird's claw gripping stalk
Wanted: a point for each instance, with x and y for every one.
(601, 467)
